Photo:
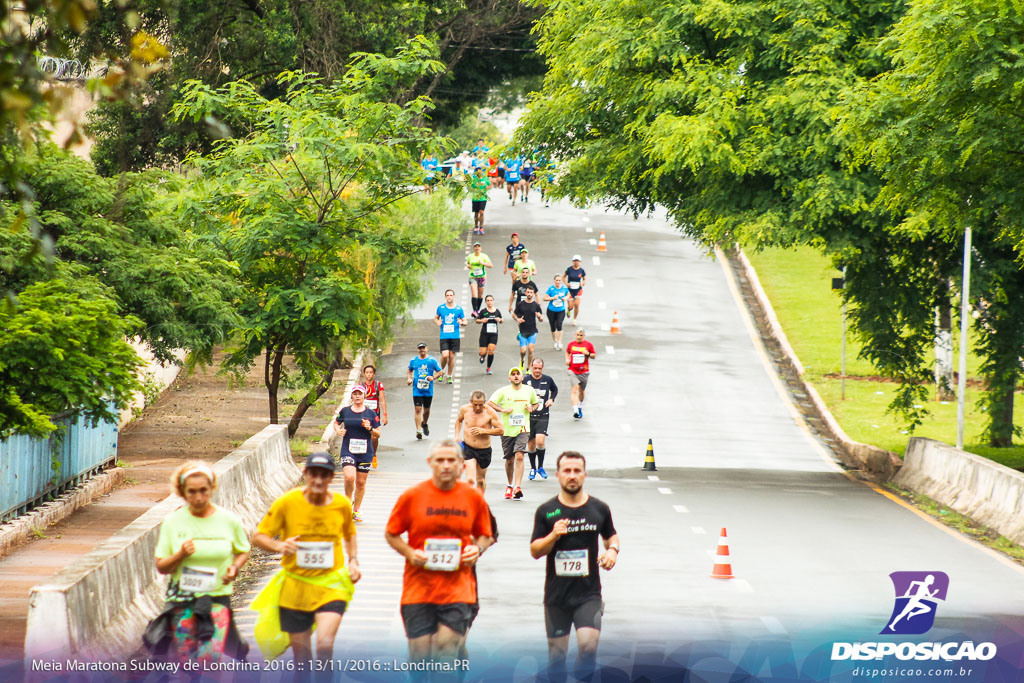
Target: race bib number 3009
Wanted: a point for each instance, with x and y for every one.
(198, 579)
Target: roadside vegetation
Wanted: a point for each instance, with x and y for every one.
(797, 281)
(876, 133)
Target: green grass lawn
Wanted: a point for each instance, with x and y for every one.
(798, 282)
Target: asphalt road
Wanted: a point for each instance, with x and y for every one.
(811, 547)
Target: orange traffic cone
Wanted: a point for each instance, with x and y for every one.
(723, 565)
(615, 323)
(601, 244)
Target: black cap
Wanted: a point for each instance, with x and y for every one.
(421, 345)
(323, 460)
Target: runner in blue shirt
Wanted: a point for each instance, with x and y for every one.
(481, 147)
(423, 370)
(557, 296)
(526, 178)
(429, 163)
(512, 167)
(449, 318)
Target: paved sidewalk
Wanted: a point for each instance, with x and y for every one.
(197, 417)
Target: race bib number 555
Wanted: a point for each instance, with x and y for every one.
(315, 555)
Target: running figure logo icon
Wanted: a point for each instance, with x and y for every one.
(917, 595)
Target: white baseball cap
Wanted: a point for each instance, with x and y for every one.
(577, 257)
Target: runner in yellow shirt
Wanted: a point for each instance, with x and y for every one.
(514, 404)
(308, 526)
(477, 263)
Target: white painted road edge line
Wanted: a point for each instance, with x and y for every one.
(680, 508)
(610, 350)
(665, 491)
(597, 260)
(699, 530)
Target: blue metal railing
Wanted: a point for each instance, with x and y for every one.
(27, 472)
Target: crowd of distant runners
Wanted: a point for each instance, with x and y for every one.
(441, 527)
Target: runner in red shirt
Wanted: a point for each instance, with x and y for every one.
(577, 358)
(375, 398)
(448, 526)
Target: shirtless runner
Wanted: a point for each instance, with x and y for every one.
(481, 423)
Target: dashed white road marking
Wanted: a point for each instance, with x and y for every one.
(613, 374)
(597, 260)
(626, 428)
(699, 530)
(680, 508)
(618, 400)
(653, 477)
(602, 305)
(743, 586)
(586, 219)
(665, 491)
(773, 625)
(590, 230)
(610, 350)
(593, 242)
(599, 282)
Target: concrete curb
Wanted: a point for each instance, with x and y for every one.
(974, 486)
(18, 531)
(879, 463)
(98, 607)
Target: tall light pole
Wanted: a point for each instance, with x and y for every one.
(965, 296)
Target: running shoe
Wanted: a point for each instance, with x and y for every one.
(481, 360)
(574, 322)
(577, 413)
(518, 495)
(533, 474)
(508, 493)
(449, 379)
(426, 429)
(541, 473)
(356, 516)
(579, 409)
(419, 435)
(489, 371)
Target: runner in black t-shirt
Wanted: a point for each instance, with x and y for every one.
(519, 287)
(575, 278)
(488, 318)
(546, 389)
(566, 529)
(527, 313)
(513, 250)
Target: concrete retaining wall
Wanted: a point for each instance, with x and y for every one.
(98, 607)
(977, 487)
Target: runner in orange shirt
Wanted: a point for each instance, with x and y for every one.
(448, 526)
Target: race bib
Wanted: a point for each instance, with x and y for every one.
(198, 579)
(477, 272)
(357, 446)
(541, 392)
(578, 358)
(492, 328)
(315, 554)
(371, 403)
(443, 554)
(423, 383)
(572, 563)
(574, 285)
(448, 329)
(517, 420)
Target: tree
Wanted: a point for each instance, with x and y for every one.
(301, 199)
(63, 348)
(177, 291)
(942, 128)
(482, 42)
